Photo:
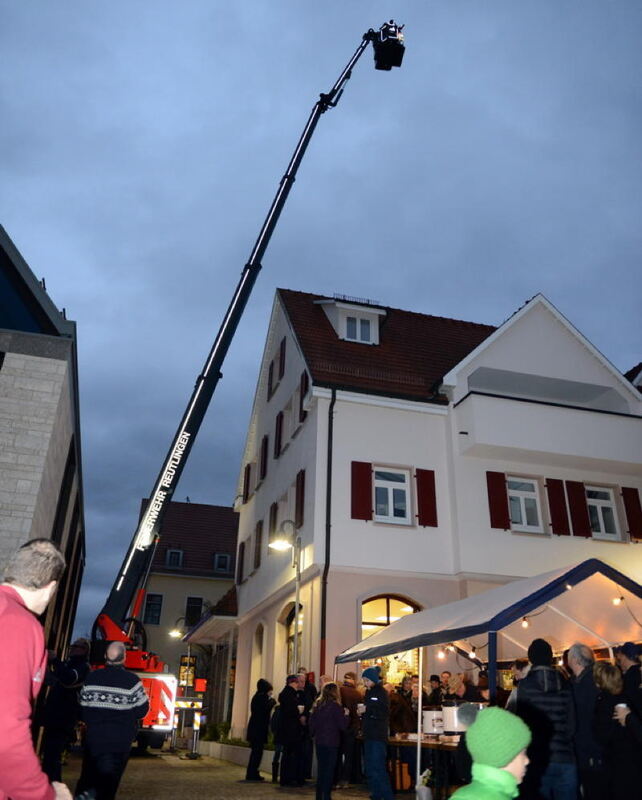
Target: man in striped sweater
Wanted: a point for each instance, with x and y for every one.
(112, 701)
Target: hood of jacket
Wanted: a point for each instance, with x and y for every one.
(547, 679)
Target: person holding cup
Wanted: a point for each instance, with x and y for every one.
(621, 759)
(327, 721)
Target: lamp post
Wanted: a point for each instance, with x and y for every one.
(284, 540)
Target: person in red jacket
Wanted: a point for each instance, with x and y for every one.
(30, 580)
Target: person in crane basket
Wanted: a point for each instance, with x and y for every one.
(388, 46)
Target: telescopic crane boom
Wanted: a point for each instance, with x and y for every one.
(118, 618)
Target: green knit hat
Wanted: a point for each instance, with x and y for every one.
(496, 737)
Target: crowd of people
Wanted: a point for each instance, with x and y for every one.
(565, 731)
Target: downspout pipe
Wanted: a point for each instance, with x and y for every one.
(328, 530)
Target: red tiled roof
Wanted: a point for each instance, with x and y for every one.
(200, 531)
(414, 352)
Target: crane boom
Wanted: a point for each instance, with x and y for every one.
(132, 575)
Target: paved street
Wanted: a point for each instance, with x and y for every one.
(168, 777)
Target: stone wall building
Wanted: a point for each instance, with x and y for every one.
(40, 454)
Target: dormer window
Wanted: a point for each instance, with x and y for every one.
(352, 321)
(174, 558)
(358, 329)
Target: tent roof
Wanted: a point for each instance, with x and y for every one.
(562, 615)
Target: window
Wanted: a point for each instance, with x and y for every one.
(358, 329)
(153, 607)
(222, 562)
(193, 611)
(392, 499)
(601, 510)
(523, 503)
(240, 563)
(379, 612)
(174, 558)
(278, 434)
(247, 477)
(258, 544)
(263, 460)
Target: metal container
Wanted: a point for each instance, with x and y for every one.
(451, 716)
(433, 721)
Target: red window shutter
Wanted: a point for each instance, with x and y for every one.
(282, 358)
(579, 510)
(270, 379)
(557, 507)
(426, 498)
(239, 563)
(258, 544)
(633, 509)
(300, 498)
(274, 511)
(278, 434)
(246, 482)
(361, 490)
(304, 385)
(498, 500)
(263, 463)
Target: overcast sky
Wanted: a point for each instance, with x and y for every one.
(142, 141)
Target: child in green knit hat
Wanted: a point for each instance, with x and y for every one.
(497, 741)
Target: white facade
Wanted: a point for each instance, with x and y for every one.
(535, 402)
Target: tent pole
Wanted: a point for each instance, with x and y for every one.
(420, 716)
(492, 667)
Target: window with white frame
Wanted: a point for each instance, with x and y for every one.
(392, 495)
(222, 562)
(174, 558)
(602, 514)
(358, 329)
(524, 505)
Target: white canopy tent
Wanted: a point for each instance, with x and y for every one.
(562, 606)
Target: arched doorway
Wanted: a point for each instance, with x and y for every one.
(378, 612)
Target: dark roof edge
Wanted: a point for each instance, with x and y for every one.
(63, 326)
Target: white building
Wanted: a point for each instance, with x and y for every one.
(421, 460)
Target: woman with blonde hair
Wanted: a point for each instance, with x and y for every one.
(327, 720)
(621, 760)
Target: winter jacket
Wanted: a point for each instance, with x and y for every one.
(351, 697)
(545, 703)
(326, 723)
(62, 709)
(111, 703)
(375, 720)
(621, 751)
(260, 709)
(632, 679)
(587, 751)
(402, 717)
(489, 783)
(290, 728)
(23, 662)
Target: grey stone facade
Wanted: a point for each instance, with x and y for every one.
(40, 463)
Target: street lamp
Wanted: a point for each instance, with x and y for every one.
(281, 540)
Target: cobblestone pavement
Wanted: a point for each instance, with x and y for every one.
(169, 777)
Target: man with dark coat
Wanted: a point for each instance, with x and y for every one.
(589, 754)
(348, 762)
(375, 728)
(292, 720)
(62, 709)
(627, 660)
(112, 701)
(308, 694)
(257, 727)
(545, 703)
